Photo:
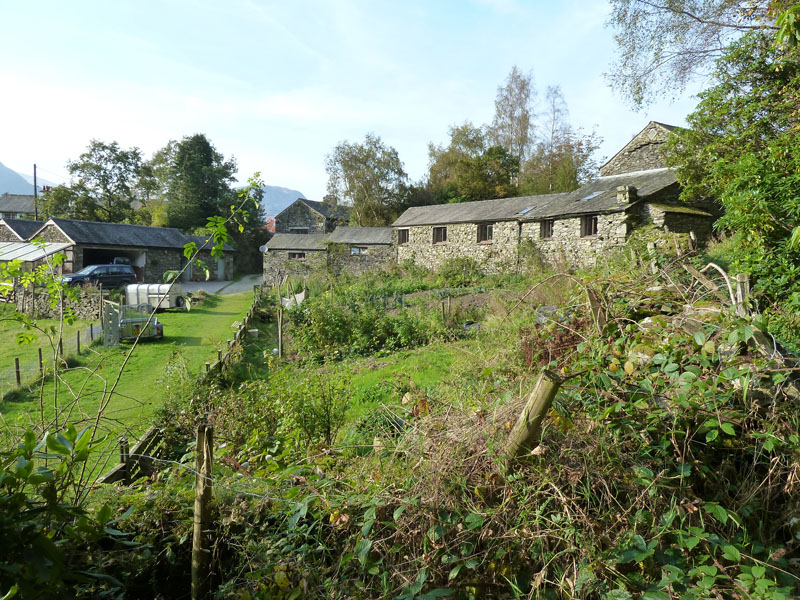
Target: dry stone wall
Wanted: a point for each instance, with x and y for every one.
(37, 304)
(498, 255)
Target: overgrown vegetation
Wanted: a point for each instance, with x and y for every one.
(668, 465)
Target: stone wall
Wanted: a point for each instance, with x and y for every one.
(278, 261)
(498, 255)
(205, 256)
(51, 233)
(340, 259)
(37, 304)
(568, 249)
(160, 260)
(643, 152)
(300, 215)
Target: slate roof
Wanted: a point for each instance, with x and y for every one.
(23, 228)
(120, 234)
(17, 203)
(202, 239)
(502, 209)
(600, 195)
(304, 242)
(361, 235)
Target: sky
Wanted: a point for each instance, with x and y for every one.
(278, 84)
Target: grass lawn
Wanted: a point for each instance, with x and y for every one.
(195, 336)
(28, 354)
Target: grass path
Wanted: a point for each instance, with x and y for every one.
(195, 336)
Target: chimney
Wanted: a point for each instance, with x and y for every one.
(626, 194)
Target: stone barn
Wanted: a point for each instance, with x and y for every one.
(567, 229)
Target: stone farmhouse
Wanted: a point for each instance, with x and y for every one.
(309, 216)
(635, 188)
(150, 250)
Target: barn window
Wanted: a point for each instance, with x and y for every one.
(354, 250)
(485, 232)
(297, 255)
(402, 236)
(546, 229)
(589, 226)
(439, 235)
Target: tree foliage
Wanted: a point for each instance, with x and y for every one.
(562, 158)
(369, 176)
(105, 185)
(198, 180)
(469, 169)
(664, 43)
(743, 150)
(513, 125)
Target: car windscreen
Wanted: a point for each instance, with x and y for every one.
(86, 270)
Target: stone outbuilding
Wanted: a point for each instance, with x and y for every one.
(18, 230)
(359, 249)
(305, 216)
(220, 269)
(151, 251)
(294, 254)
(566, 229)
(486, 231)
(14, 244)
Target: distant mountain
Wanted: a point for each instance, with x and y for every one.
(39, 181)
(277, 198)
(12, 182)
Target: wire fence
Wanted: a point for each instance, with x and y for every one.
(20, 373)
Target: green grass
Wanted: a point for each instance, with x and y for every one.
(195, 336)
(426, 366)
(29, 353)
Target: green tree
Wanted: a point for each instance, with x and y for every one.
(562, 158)
(369, 176)
(513, 125)
(469, 169)
(104, 185)
(742, 149)
(663, 44)
(196, 180)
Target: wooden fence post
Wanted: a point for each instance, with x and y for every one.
(525, 435)
(78, 340)
(280, 332)
(91, 332)
(16, 370)
(742, 293)
(201, 553)
(598, 314)
(60, 347)
(124, 458)
(208, 367)
(41, 364)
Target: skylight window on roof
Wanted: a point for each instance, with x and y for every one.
(526, 210)
(592, 195)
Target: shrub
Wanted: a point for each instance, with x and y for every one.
(459, 272)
